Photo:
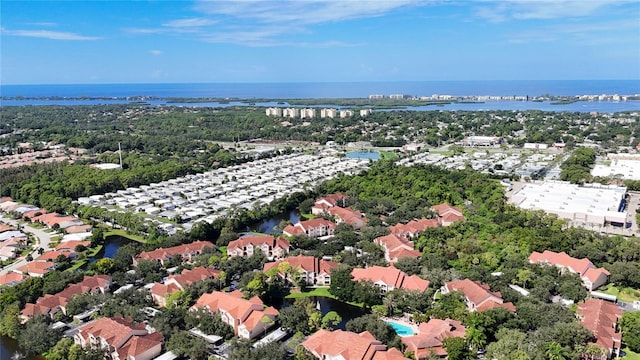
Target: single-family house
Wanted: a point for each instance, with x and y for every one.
(314, 228)
(311, 270)
(591, 277)
(347, 345)
(36, 268)
(477, 296)
(602, 317)
(247, 317)
(161, 291)
(120, 338)
(430, 336)
(11, 278)
(389, 278)
(186, 251)
(396, 247)
(272, 247)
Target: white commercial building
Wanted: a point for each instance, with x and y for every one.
(591, 204)
(623, 166)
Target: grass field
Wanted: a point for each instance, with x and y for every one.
(120, 232)
(318, 292)
(315, 292)
(630, 355)
(388, 155)
(623, 294)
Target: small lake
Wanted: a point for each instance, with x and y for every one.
(371, 155)
(8, 347)
(111, 245)
(270, 225)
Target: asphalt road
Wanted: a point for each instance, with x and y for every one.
(44, 239)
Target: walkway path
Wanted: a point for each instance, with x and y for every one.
(43, 237)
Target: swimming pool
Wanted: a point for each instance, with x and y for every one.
(401, 329)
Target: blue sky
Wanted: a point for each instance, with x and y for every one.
(61, 42)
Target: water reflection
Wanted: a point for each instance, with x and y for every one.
(270, 225)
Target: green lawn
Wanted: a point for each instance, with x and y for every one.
(623, 294)
(120, 232)
(630, 355)
(307, 216)
(319, 292)
(388, 155)
(315, 292)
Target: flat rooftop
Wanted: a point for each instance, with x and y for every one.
(571, 201)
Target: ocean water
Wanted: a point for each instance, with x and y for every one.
(328, 89)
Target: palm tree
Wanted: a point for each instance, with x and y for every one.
(476, 339)
(555, 351)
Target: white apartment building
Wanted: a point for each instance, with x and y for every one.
(346, 113)
(365, 112)
(291, 112)
(274, 111)
(328, 113)
(307, 113)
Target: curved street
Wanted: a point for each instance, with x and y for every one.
(43, 237)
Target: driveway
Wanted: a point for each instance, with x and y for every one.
(44, 239)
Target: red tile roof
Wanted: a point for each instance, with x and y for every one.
(71, 245)
(303, 227)
(349, 346)
(122, 334)
(578, 266)
(391, 277)
(181, 281)
(332, 199)
(413, 227)
(49, 302)
(431, 335)
(245, 312)
(78, 229)
(53, 255)
(306, 263)
(396, 247)
(347, 215)
(256, 240)
(12, 278)
(37, 267)
(4, 228)
(600, 317)
(479, 295)
(183, 250)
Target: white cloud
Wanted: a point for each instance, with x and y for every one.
(591, 32)
(47, 34)
(192, 22)
(302, 12)
(262, 23)
(498, 11)
(156, 52)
